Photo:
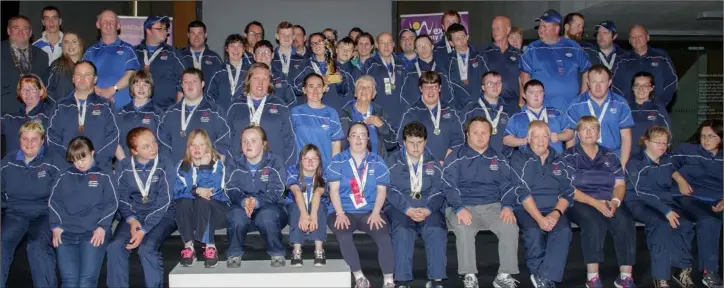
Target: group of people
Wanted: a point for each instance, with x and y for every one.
(348, 134)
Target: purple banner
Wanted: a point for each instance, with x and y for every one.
(429, 24)
(132, 30)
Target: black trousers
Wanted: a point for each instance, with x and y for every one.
(197, 219)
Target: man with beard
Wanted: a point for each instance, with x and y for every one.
(573, 26)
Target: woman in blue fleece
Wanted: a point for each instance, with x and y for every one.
(200, 200)
(82, 205)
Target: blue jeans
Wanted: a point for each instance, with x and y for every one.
(41, 256)
(296, 235)
(79, 262)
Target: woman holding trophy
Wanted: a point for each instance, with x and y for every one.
(340, 85)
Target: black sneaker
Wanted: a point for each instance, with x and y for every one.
(188, 256)
(211, 257)
(278, 261)
(661, 284)
(233, 262)
(711, 280)
(683, 278)
(297, 259)
(319, 258)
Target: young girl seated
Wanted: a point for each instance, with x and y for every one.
(306, 207)
(200, 200)
(82, 205)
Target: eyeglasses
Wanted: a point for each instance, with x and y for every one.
(310, 159)
(642, 87)
(421, 46)
(252, 33)
(709, 136)
(29, 90)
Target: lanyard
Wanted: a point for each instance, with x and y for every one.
(197, 62)
(186, 120)
(360, 182)
(390, 71)
(82, 108)
(417, 67)
(487, 114)
(233, 80)
(316, 68)
(147, 187)
(600, 117)
(532, 117)
(415, 175)
(436, 118)
(285, 61)
(447, 45)
(608, 64)
(463, 65)
(255, 113)
(153, 56)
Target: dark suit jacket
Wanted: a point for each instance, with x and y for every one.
(10, 74)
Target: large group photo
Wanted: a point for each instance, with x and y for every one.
(151, 148)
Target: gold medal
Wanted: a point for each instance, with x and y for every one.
(147, 68)
(466, 82)
(495, 131)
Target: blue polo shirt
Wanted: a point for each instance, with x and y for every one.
(507, 64)
(559, 66)
(595, 177)
(518, 125)
(340, 171)
(617, 116)
(316, 126)
(112, 61)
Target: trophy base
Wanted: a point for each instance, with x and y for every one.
(333, 78)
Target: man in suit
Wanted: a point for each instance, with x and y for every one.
(19, 58)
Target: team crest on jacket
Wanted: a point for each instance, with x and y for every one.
(205, 117)
(120, 51)
(164, 55)
(208, 62)
(512, 58)
(42, 173)
(446, 115)
(278, 83)
(264, 175)
(146, 119)
(569, 54)
(96, 110)
(654, 64)
(273, 109)
(605, 161)
(493, 165)
(296, 66)
(93, 181)
(613, 110)
(556, 170)
(325, 124)
(652, 116)
(474, 62)
(430, 169)
(551, 114)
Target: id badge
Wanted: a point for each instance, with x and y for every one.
(388, 86)
(358, 204)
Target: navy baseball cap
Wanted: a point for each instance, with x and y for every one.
(153, 19)
(606, 24)
(550, 16)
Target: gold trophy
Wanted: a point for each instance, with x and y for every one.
(333, 76)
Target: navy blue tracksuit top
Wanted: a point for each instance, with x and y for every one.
(399, 194)
(166, 71)
(130, 199)
(471, 178)
(263, 181)
(476, 65)
(130, 116)
(83, 201)
(392, 102)
(11, 122)
(656, 62)
(275, 121)
(546, 182)
(100, 127)
(507, 64)
(219, 90)
(338, 94)
(410, 92)
(645, 116)
(207, 116)
(595, 177)
(650, 182)
(26, 186)
(210, 61)
(451, 133)
(702, 169)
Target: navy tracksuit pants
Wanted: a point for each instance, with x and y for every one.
(41, 256)
(594, 226)
(404, 233)
(545, 252)
(296, 235)
(668, 246)
(148, 252)
(269, 220)
(708, 229)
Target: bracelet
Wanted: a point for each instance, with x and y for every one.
(618, 204)
(560, 213)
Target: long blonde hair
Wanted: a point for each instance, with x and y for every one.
(188, 159)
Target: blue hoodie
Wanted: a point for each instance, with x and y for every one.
(207, 116)
(649, 182)
(11, 123)
(263, 181)
(100, 127)
(131, 204)
(546, 182)
(26, 186)
(703, 170)
(472, 179)
(399, 194)
(166, 71)
(207, 176)
(80, 202)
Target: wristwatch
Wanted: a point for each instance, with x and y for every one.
(618, 201)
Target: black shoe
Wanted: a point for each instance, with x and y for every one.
(319, 258)
(661, 284)
(297, 259)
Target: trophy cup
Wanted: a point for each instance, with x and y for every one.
(333, 76)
